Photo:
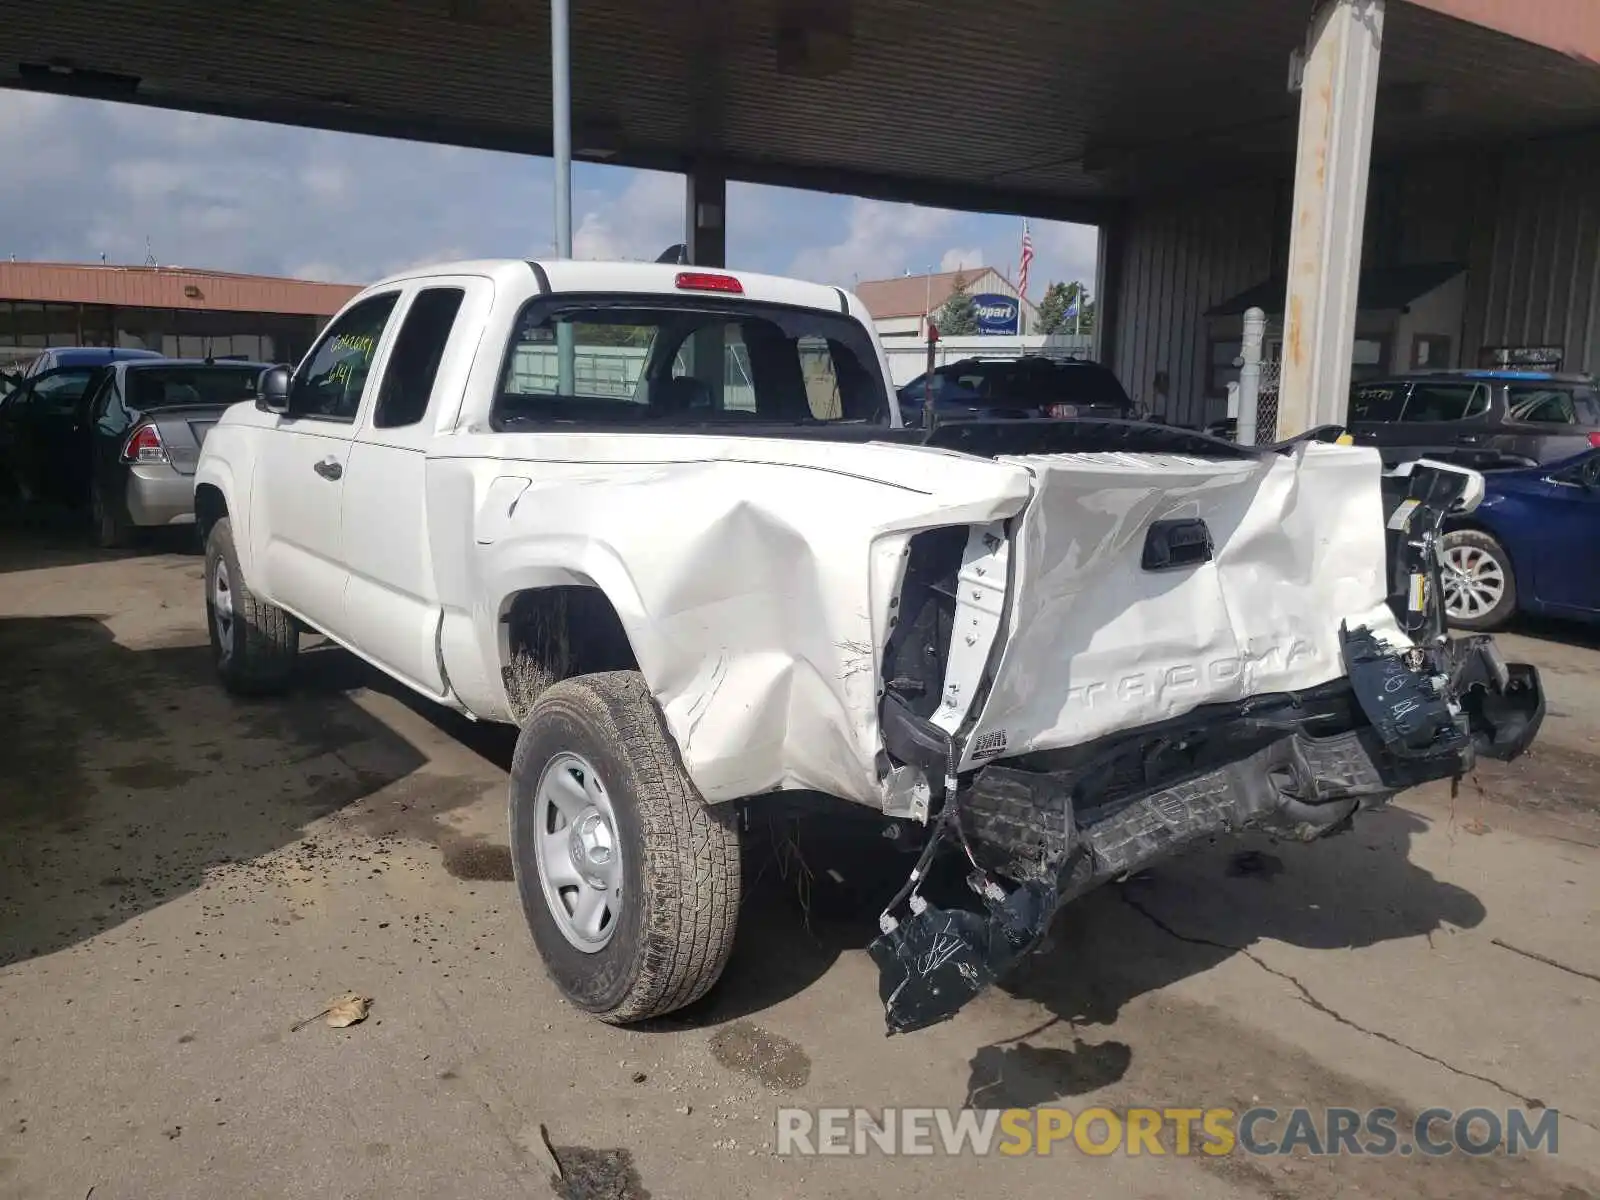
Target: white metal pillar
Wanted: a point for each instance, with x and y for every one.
(1255, 331)
(1338, 96)
(1108, 274)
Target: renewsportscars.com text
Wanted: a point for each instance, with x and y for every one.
(1180, 1132)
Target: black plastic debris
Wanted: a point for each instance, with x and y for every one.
(936, 960)
(1504, 702)
(1406, 707)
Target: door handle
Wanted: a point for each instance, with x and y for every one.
(1470, 439)
(329, 468)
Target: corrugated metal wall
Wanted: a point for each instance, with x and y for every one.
(1525, 222)
(1535, 277)
(1179, 260)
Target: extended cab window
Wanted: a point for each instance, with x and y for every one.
(330, 383)
(650, 361)
(414, 361)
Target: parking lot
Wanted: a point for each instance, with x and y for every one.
(185, 877)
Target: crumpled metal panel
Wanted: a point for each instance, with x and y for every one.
(755, 582)
(1096, 643)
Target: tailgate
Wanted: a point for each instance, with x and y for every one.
(1125, 610)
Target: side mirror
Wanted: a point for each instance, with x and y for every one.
(272, 390)
(1589, 473)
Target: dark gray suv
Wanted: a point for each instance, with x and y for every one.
(1482, 419)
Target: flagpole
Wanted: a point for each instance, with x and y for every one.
(1022, 278)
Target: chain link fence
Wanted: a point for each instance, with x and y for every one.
(1267, 404)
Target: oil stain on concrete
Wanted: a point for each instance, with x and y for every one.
(766, 1057)
(596, 1175)
(478, 861)
(150, 774)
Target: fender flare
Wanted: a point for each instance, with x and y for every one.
(521, 564)
(218, 473)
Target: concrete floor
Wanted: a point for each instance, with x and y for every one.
(184, 877)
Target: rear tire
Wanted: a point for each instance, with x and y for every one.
(1480, 588)
(253, 643)
(111, 531)
(595, 757)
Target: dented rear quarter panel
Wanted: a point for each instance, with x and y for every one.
(754, 578)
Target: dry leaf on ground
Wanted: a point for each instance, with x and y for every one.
(348, 1009)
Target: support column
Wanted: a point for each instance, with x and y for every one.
(1108, 274)
(1338, 96)
(561, 147)
(706, 245)
(706, 232)
(561, 122)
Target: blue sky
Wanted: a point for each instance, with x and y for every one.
(84, 178)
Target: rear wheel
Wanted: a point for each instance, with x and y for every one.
(111, 529)
(252, 642)
(1480, 591)
(628, 879)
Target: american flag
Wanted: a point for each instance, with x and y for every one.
(1027, 260)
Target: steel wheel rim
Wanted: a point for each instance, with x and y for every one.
(578, 853)
(1474, 581)
(222, 608)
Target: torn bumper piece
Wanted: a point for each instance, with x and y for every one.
(1409, 717)
(932, 964)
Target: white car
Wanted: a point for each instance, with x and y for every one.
(668, 521)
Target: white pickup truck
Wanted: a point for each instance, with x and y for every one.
(668, 522)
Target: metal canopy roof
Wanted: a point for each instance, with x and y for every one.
(1047, 107)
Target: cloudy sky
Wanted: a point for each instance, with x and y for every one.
(83, 178)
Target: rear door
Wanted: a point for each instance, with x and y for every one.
(299, 485)
(1546, 422)
(1374, 418)
(108, 428)
(1445, 419)
(390, 595)
(45, 434)
(1566, 537)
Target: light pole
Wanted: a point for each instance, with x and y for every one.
(561, 148)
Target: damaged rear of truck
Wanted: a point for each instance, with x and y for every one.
(1053, 651)
(1174, 639)
(670, 524)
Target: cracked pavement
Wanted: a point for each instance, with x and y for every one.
(184, 877)
(1316, 1005)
